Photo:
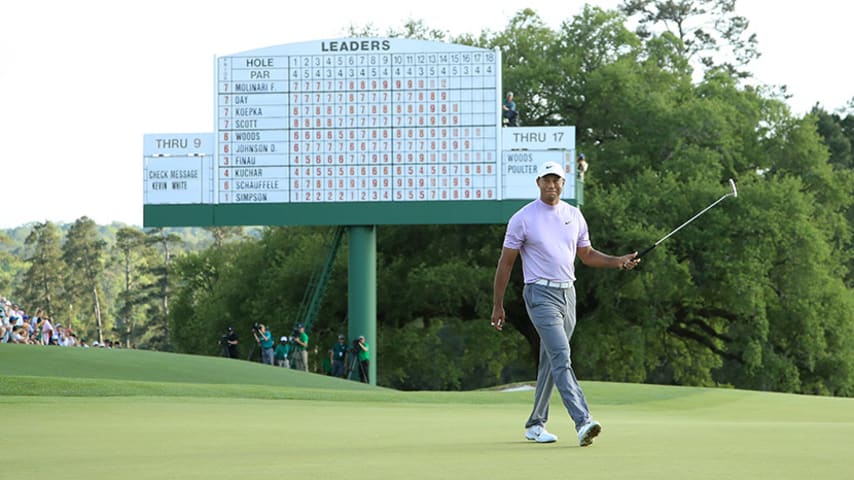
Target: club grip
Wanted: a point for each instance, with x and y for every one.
(638, 256)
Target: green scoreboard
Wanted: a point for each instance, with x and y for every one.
(352, 132)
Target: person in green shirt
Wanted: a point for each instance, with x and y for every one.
(301, 349)
(281, 354)
(265, 339)
(364, 357)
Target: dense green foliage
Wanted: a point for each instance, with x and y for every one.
(755, 294)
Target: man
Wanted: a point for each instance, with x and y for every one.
(5, 327)
(265, 340)
(364, 358)
(581, 166)
(509, 110)
(46, 327)
(301, 349)
(548, 233)
(281, 354)
(231, 342)
(338, 354)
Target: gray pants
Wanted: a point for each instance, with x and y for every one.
(301, 360)
(267, 356)
(552, 312)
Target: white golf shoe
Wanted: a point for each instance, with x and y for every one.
(588, 432)
(539, 434)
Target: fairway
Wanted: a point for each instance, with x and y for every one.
(167, 423)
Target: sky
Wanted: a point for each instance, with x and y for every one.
(83, 81)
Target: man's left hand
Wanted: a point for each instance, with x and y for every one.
(628, 262)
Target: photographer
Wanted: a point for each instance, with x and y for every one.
(281, 355)
(363, 355)
(300, 347)
(231, 342)
(265, 340)
(338, 355)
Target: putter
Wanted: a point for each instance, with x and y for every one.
(733, 193)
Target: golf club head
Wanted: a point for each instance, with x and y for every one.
(732, 185)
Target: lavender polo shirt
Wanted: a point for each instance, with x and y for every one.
(547, 237)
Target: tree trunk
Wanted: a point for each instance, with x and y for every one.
(167, 260)
(98, 316)
(128, 317)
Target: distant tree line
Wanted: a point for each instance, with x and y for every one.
(104, 282)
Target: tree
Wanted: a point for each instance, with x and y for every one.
(837, 133)
(9, 264)
(165, 243)
(223, 234)
(528, 66)
(42, 283)
(130, 245)
(704, 28)
(83, 252)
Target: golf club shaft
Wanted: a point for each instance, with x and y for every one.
(641, 254)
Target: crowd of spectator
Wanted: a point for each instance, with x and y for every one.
(344, 361)
(18, 326)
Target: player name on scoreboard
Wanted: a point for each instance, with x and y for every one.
(358, 120)
(524, 149)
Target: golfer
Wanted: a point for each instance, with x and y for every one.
(548, 233)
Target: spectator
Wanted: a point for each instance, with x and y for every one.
(5, 326)
(338, 354)
(265, 340)
(282, 351)
(15, 317)
(325, 361)
(509, 111)
(19, 335)
(364, 357)
(29, 328)
(581, 166)
(46, 328)
(301, 349)
(231, 343)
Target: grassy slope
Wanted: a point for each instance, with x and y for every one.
(139, 414)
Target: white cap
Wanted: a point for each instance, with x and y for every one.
(550, 168)
(283, 339)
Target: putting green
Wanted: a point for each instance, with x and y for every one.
(288, 424)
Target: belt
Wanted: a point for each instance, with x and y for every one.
(549, 283)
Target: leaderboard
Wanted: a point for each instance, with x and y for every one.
(358, 120)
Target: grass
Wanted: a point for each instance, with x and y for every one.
(74, 413)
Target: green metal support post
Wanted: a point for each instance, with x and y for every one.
(362, 290)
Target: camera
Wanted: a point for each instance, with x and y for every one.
(256, 329)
